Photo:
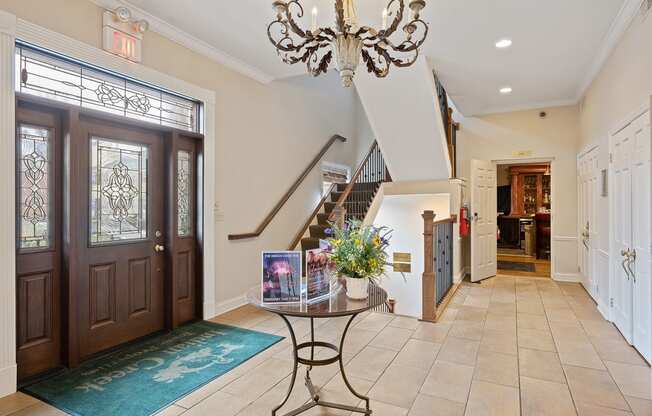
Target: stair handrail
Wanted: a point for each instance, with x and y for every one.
(308, 223)
(338, 214)
(289, 193)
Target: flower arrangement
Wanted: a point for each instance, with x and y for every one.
(359, 252)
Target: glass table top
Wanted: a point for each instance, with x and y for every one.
(337, 304)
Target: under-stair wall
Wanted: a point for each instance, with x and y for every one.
(405, 115)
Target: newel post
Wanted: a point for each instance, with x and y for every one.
(428, 306)
(338, 215)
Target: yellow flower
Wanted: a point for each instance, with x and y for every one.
(377, 241)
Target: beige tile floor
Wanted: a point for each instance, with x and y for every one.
(505, 347)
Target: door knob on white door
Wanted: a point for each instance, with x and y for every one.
(631, 259)
(625, 255)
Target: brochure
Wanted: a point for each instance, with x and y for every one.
(318, 275)
(281, 280)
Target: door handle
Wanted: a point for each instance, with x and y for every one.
(159, 248)
(586, 245)
(631, 259)
(625, 255)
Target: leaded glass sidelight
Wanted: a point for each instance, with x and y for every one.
(118, 203)
(184, 193)
(34, 193)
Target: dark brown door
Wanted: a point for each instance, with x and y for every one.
(182, 229)
(122, 270)
(38, 242)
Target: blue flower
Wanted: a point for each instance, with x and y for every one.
(328, 231)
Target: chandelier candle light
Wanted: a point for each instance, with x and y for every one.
(347, 42)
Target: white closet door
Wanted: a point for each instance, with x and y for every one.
(593, 193)
(621, 149)
(642, 322)
(584, 207)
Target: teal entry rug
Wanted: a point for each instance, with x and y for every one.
(146, 376)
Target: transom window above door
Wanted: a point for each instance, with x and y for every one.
(64, 79)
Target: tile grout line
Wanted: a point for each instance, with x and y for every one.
(563, 368)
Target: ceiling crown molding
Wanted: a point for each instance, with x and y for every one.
(177, 35)
(619, 26)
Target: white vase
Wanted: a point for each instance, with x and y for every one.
(357, 289)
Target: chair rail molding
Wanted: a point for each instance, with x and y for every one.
(12, 28)
(7, 209)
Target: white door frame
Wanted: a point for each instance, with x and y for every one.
(553, 208)
(12, 28)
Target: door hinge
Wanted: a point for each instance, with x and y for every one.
(611, 302)
(611, 158)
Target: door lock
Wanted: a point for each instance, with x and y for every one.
(159, 248)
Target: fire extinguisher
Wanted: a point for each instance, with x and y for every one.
(465, 222)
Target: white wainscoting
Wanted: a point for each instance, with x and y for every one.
(564, 267)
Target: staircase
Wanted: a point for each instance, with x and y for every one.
(356, 204)
(343, 202)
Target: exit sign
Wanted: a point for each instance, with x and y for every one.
(121, 38)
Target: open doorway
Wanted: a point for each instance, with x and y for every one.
(524, 199)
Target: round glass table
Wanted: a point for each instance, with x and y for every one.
(337, 305)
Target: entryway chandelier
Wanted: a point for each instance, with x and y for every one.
(348, 42)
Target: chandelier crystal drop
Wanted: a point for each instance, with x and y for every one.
(347, 42)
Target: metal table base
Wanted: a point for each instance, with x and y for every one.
(312, 362)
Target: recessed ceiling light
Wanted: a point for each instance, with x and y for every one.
(506, 90)
(504, 43)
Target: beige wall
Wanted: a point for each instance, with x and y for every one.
(266, 134)
(498, 136)
(622, 86)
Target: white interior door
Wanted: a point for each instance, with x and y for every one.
(484, 211)
(621, 197)
(588, 193)
(642, 322)
(583, 214)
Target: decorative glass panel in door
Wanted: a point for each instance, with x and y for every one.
(184, 193)
(118, 197)
(35, 193)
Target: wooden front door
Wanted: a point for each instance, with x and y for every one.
(38, 240)
(121, 197)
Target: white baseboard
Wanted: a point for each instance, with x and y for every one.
(460, 276)
(567, 277)
(8, 377)
(228, 305)
(604, 312)
(209, 310)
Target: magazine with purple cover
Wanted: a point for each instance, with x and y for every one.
(281, 277)
(318, 275)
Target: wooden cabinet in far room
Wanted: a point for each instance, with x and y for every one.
(530, 189)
